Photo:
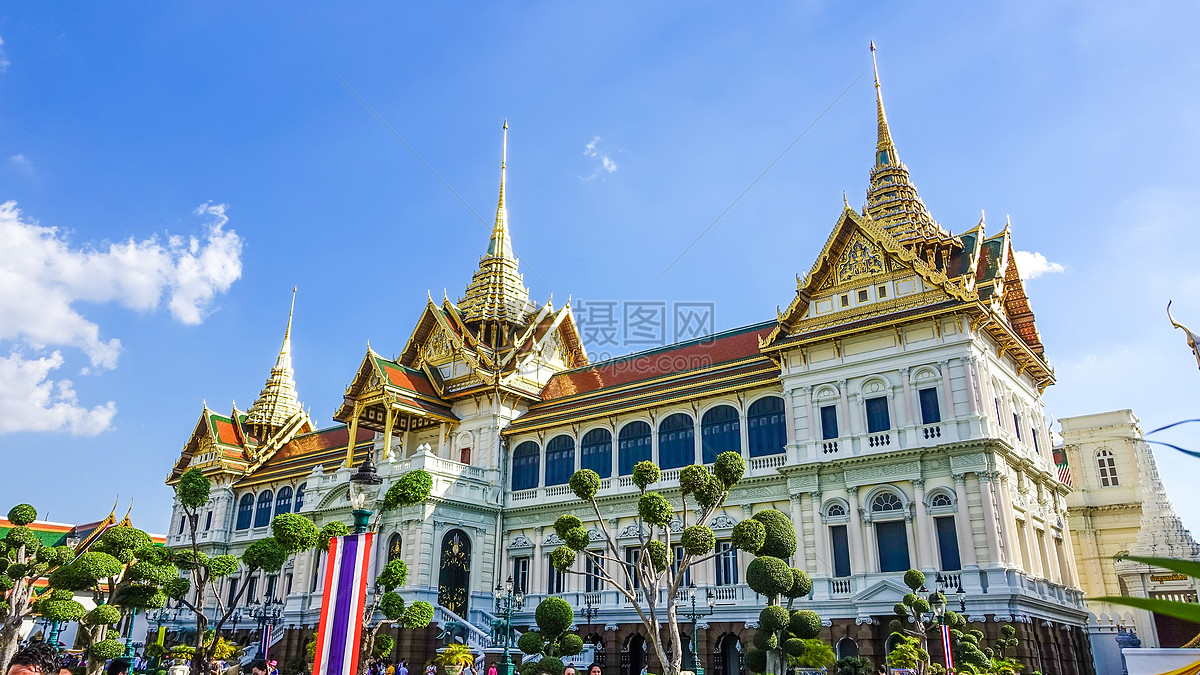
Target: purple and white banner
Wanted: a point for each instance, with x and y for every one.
(342, 605)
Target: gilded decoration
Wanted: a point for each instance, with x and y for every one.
(438, 347)
(455, 572)
(858, 259)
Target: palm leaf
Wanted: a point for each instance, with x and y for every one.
(1188, 611)
(1188, 567)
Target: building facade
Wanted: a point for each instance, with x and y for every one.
(1119, 506)
(893, 410)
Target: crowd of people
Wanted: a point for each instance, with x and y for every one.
(40, 658)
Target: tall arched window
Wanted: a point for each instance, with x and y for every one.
(525, 466)
(393, 549)
(262, 515)
(768, 434)
(560, 460)
(720, 431)
(633, 446)
(596, 452)
(245, 511)
(676, 442)
(1106, 462)
(891, 536)
(300, 496)
(283, 501)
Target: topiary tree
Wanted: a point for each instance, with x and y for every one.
(784, 634)
(855, 665)
(972, 655)
(551, 641)
(410, 489)
(915, 618)
(650, 583)
(908, 653)
(24, 564)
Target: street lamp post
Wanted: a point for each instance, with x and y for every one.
(938, 609)
(507, 601)
(364, 490)
(129, 649)
(694, 615)
(268, 614)
(160, 617)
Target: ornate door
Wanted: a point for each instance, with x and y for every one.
(454, 575)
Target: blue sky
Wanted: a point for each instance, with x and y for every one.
(198, 161)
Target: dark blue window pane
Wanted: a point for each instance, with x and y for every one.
(720, 431)
(767, 432)
(676, 442)
(877, 415)
(930, 412)
(633, 446)
(948, 543)
(283, 502)
(262, 516)
(560, 460)
(841, 551)
(596, 452)
(300, 496)
(829, 427)
(893, 546)
(245, 511)
(525, 466)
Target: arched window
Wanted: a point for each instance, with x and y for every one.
(1106, 462)
(245, 511)
(262, 515)
(720, 431)
(560, 460)
(676, 442)
(596, 452)
(393, 549)
(283, 501)
(941, 500)
(300, 496)
(835, 510)
(525, 466)
(847, 648)
(885, 502)
(633, 446)
(767, 432)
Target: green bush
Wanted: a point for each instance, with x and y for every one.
(729, 468)
(383, 645)
(710, 493)
(417, 615)
(920, 605)
(188, 560)
(781, 534)
(531, 642)
(61, 610)
(855, 665)
(660, 557)
(914, 579)
(294, 532)
(265, 554)
(551, 665)
(570, 645)
(193, 489)
(768, 576)
(793, 646)
(655, 509)
(562, 558)
(900, 609)
(412, 488)
(578, 539)
(149, 572)
(749, 535)
(805, 624)
(392, 606)
(529, 668)
(801, 584)
(755, 660)
(22, 514)
(332, 529)
(393, 575)
(22, 536)
(121, 541)
(585, 483)
(816, 654)
(17, 570)
(909, 598)
(645, 473)
(698, 539)
(937, 598)
(765, 640)
(773, 618)
(85, 571)
(54, 556)
(223, 565)
(692, 477)
(565, 524)
(554, 616)
(106, 649)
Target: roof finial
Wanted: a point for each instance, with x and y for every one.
(885, 149)
(287, 333)
(278, 400)
(501, 244)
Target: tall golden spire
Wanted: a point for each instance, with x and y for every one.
(278, 402)
(497, 292)
(892, 199)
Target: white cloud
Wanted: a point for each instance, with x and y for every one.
(30, 402)
(43, 277)
(1032, 265)
(606, 164)
(21, 163)
(4, 62)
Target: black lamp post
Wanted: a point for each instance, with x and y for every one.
(694, 615)
(364, 490)
(268, 614)
(507, 601)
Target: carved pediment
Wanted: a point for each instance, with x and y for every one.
(521, 541)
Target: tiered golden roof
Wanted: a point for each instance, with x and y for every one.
(497, 292)
(279, 402)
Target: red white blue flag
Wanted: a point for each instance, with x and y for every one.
(946, 646)
(342, 605)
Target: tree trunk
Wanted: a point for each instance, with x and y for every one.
(776, 662)
(10, 635)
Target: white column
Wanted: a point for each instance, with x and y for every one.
(858, 563)
(743, 433)
(1054, 573)
(972, 383)
(814, 431)
(926, 558)
(654, 440)
(822, 565)
(846, 419)
(537, 571)
(798, 524)
(947, 395)
(909, 419)
(962, 524)
(989, 518)
(616, 455)
(1008, 520)
(913, 546)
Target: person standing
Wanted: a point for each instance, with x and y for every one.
(492, 670)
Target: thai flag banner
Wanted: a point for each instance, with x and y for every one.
(946, 646)
(342, 605)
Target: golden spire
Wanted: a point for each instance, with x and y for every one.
(497, 291)
(885, 149)
(279, 400)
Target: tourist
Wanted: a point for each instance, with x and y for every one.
(569, 670)
(260, 667)
(491, 669)
(117, 667)
(468, 670)
(595, 669)
(645, 670)
(38, 658)
(403, 669)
